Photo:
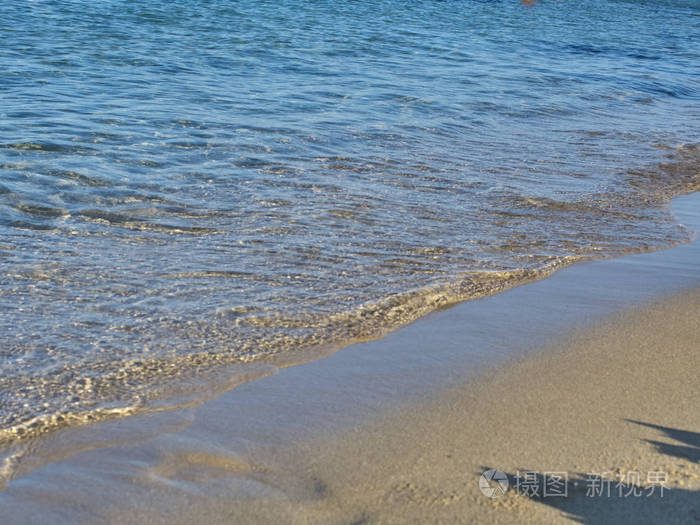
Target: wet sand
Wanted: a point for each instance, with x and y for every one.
(590, 372)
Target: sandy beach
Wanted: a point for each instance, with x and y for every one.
(589, 376)
(618, 403)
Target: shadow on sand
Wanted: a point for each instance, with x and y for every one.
(690, 449)
(602, 498)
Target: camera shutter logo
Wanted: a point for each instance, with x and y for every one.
(493, 483)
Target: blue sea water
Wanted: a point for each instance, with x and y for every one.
(185, 185)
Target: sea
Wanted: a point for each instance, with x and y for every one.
(187, 186)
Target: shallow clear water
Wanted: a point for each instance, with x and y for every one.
(189, 184)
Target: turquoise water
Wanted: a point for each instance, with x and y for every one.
(185, 185)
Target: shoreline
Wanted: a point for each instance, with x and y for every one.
(246, 444)
(612, 408)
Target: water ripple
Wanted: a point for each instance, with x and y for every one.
(192, 184)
